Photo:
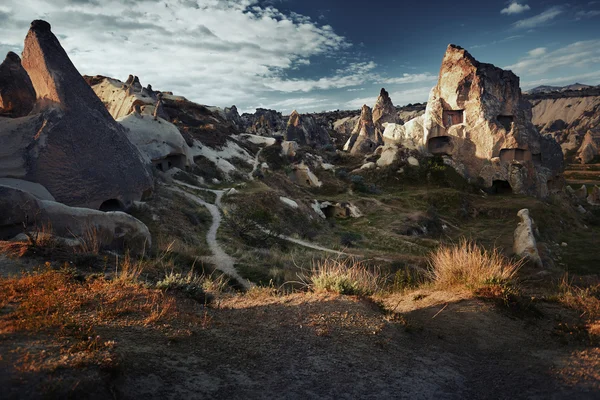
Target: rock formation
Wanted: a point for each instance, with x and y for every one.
(17, 95)
(363, 139)
(383, 112)
(264, 122)
(232, 115)
(477, 119)
(114, 230)
(589, 149)
(121, 99)
(304, 130)
(69, 143)
(409, 135)
(525, 245)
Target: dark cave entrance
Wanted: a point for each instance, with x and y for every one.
(112, 205)
(501, 187)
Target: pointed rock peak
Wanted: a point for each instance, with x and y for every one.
(384, 94)
(39, 25)
(54, 77)
(12, 58)
(294, 118)
(365, 112)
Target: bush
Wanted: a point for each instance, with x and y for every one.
(470, 265)
(347, 277)
(190, 284)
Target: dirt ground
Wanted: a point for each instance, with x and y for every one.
(427, 345)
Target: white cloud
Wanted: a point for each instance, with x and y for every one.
(540, 19)
(515, 8)
(537, 52)
(212, 51)
(576, 55)
(407, 78)
(587, 14)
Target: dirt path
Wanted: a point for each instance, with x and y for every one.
(222, 261)
(255, 165)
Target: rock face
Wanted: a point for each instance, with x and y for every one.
(232, 115)
(477, 117)
(525, 245)
(383, 112)
(589, 149)
(114, 230)
(122, 99)
(17, 95)
(264, 122)
(69, 143)
(304, 130)
(364, 138)
(409, 135)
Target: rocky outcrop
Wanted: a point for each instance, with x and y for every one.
(232, 115)
(112, 230)
(409, 135)
(69, 143)
(17, 95)
(159, 140)
(594, 196)
(383, 112)
(264, 122)
(346, 125)
(525, 245)
(476, 117)
(589, 149)
(304, 130)
(363, 139)
(304, 176)
(123, 98)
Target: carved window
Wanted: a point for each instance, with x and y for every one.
(452, 117)
(506, 121)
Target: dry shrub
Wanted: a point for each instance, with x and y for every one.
(129, 270)
(586, 300)
(344, 276)
(471, 265)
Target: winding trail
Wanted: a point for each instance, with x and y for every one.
(255, 165)
(222, 261)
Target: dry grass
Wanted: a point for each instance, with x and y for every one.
(471, 265)
(344, 276)
(586, 300)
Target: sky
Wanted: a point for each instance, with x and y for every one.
(312, 55)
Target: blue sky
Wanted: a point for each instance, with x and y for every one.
(312, 55)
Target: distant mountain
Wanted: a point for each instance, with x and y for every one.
(549, 89)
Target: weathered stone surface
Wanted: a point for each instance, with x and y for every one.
(17, 95)
(363, 139)
(476, 114)
(334, 209)
(113, 230)
(594, 197)
(289, 149)
(304, 176)
(122, 99)
(589, 149)
(346, 125)
(70, 143)
(383, 112)
(304, 130)
(582, 192)
(525, 245)
(389, 156)
(409, 135)
(264, 122)
(232, 115)
(158, 140)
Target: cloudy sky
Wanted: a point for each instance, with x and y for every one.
(312, 55)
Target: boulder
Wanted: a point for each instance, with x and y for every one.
(588, 150)
(409, 135)
(525, 245)
(17, 95)
(289, 148)
(288, 202)
(112, 230)
(476, 114)
(158, 140)
(582, 192)
(333, 209)
(594, 197)
(389, 156)
(304, 176)
(70, 144)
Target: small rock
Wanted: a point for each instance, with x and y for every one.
(413, 161)
(369, 165)
(564, 244)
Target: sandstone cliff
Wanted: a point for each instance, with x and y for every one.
(477, 118)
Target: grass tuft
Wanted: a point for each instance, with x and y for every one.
(471, 265)
(347, 276)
